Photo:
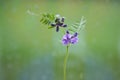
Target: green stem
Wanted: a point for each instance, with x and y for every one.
(65, 62)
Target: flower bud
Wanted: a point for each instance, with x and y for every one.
(67, 32)
(75, 34)
(57, 20)
(62, 20)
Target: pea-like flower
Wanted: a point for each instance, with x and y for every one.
(69, 38)
(59, 22)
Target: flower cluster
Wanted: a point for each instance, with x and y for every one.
(69, 38)
(59, 22)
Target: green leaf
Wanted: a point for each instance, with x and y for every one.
(50, 27)
(76, 27)
(47, 18)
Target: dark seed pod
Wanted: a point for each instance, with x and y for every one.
(64, 25)
(57, 29)
(53, 24)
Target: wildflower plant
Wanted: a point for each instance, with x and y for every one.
(71, 34)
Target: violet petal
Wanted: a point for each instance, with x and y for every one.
(74, 40)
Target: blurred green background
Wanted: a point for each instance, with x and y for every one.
(30, 51)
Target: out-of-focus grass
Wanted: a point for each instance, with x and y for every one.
(23, 39)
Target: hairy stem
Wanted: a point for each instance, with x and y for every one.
(65, 62)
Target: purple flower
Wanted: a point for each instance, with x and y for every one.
(69, 38)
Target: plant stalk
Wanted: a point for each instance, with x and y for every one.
(65, 61)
